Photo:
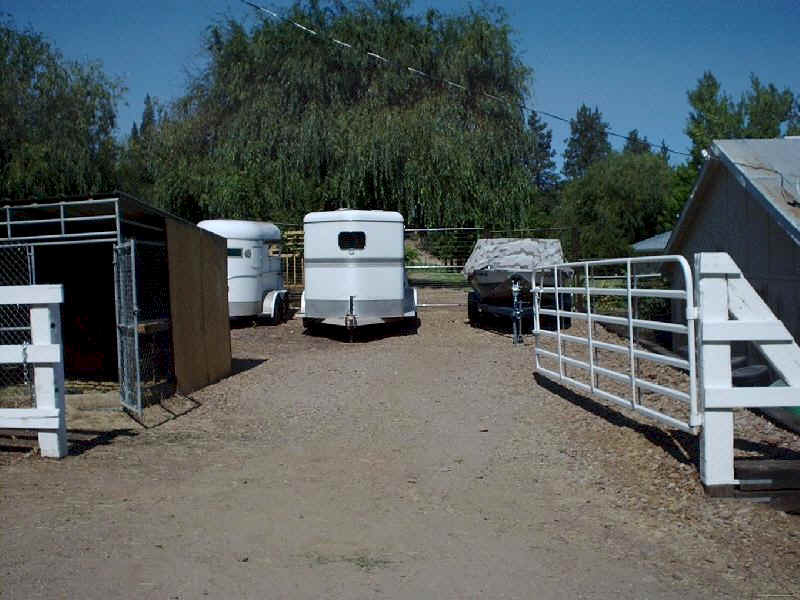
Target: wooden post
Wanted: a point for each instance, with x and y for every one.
(716, 440)
(49, 379)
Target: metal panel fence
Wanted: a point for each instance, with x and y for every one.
(16, 380)
(641, 313)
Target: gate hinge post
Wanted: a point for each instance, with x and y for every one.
(692, 313)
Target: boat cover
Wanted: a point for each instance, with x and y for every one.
(513, 254)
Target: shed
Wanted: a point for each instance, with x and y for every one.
(145, 291)
(746, 202)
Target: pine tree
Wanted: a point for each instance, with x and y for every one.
(635, 144)
(663, 150)
(540, 161)
(148, 117)
(587, 143)
(760, 113)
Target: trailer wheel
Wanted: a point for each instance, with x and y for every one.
(411, 325)
(473, 314)
(279, 312)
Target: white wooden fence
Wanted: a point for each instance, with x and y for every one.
(46, 354)
(731, 310)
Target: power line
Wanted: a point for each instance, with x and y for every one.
(447, 82)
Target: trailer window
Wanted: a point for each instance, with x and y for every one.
(235, 252)
(352, 240)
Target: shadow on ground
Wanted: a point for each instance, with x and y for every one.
(363, 333)
(500, 325)
(79, 440)
(240, 365)
(682, 446)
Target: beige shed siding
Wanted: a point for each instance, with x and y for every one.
(728, 219)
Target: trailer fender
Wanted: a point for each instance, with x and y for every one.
(274, 304)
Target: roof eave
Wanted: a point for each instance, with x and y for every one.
(702, 179)
(787, 224)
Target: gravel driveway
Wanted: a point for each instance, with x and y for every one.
(398, 466)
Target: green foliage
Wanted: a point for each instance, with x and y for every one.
(587, 143)
(793, 126)
(622, 199)
(282, 123)
(56, 120)
(411, 254)
(762, 112)
(635, 144)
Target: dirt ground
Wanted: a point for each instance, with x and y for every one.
(397, 466)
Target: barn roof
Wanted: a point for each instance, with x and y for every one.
(768, 169)
(653, 245)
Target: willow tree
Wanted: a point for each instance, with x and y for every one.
(282, 122)
(57, 120)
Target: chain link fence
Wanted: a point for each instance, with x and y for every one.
(156, 377)
(144, 339)
(434, 257)
(16, 381)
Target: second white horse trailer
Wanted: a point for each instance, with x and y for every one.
(255, 274)
(355, 270)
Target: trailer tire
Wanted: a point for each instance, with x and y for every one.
(279, 312)
(411, 325)
(473, 314)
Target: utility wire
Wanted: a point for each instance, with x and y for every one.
(447, 82)
(522, 105)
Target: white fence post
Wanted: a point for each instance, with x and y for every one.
(49, 378)
(716, 438)
(731, 310)
(46, 354)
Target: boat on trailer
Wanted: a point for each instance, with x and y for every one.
(500, 270)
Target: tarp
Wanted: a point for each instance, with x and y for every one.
(513, 254)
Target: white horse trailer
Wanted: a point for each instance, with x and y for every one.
(255, 275)
(354, 269)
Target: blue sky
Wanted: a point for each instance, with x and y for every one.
(633, 60)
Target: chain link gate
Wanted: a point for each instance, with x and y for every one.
(144, 342)
(16, 380)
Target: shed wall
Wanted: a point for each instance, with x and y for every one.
(198, 274)
(729, 219)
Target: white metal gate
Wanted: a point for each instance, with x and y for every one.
(614, 293)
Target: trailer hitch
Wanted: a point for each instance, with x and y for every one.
(516, 316)
(350, 320)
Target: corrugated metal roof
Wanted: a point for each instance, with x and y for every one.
(657, 244)
(768, 169)
(772, 167)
